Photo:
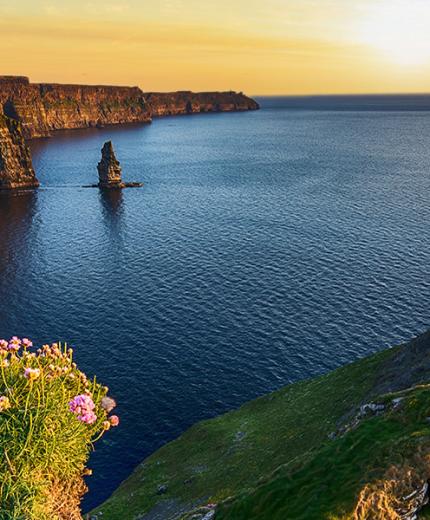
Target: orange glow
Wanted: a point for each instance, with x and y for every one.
(283, 47)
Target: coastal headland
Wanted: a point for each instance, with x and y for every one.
(43, 108)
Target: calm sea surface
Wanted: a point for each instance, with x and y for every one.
(265, 247)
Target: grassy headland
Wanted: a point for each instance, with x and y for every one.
(303, 452)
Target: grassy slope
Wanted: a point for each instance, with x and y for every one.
(327, 485)
(288, 430)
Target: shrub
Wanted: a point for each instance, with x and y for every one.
(50, 416)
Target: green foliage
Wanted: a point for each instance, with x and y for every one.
(44, 445)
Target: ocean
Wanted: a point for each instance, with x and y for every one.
(265, 247)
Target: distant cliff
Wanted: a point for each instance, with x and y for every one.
(16, 169)
(185, 102)
(44, 107)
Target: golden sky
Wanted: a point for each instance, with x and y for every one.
(260, 47)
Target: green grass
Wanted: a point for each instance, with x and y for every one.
(230, 455)
(327, 485)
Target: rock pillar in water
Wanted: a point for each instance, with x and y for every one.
(16, 169)
(109, 168)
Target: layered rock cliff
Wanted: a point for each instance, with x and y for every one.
(43, 107)
(109, 168)
(185, 102)
(16, 169)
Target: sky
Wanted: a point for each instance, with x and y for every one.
(256, 46)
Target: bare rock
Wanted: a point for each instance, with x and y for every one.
(162, 489)
(16, 169)
(109, 168)
(414, 502)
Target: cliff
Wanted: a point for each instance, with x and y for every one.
(16, 169)
(45, 107)
(351, 445)
(185, 102)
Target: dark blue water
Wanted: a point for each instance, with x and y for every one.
(265, 247)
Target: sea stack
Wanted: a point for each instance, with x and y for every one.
(16, 169)
(109, 168)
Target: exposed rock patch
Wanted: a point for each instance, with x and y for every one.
(16, 169)
(409, 366)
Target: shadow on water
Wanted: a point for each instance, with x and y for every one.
(17, 211)
(112, 206)
(17, 231)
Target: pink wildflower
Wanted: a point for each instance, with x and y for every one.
(26, 343)
(31, 373)
(87, 417)
(14, 344)
(3, 344)
(82, 406)
(114, 420)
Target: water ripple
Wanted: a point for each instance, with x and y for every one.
(264, 248)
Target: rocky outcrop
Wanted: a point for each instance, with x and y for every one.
(185, 102)
(16, 169)
(109, 168)
(42, 108)
(110, 173)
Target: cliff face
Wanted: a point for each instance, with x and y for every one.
(16, 169)
(184, 102)
(42, 108)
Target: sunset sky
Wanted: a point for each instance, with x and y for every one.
(260, 47)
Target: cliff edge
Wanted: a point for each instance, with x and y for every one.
(42, 108)
(186, 102)
(16, 169)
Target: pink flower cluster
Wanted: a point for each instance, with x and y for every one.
(14, 344)
(83, 407)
